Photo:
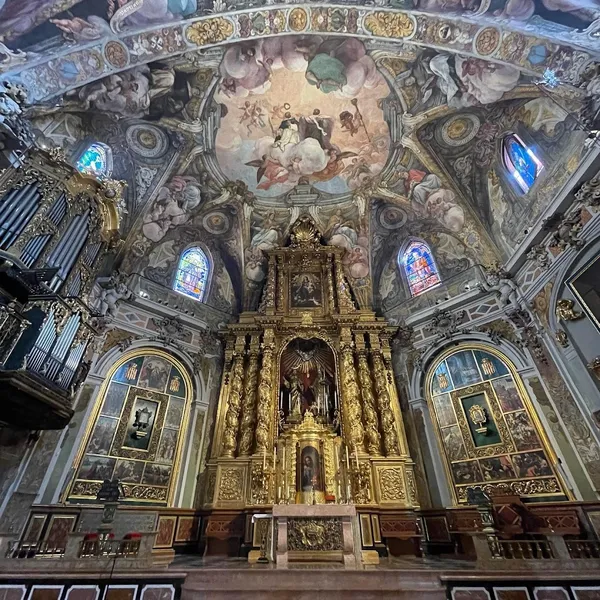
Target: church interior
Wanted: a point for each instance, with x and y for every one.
(299, 300)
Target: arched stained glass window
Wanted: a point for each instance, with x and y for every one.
(520, 161)
(96, 161)
(419, 266)
(192, 274)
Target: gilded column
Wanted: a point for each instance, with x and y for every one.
(249, 400)
(372, 437)
(351, 410)
(280, 285)
(390, 435)
(267, 304)
(330, 288)
(236, 382)
(264, 411)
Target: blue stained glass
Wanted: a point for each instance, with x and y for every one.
(96, 161)
(192, 274)
(521, 162)
(420, 269)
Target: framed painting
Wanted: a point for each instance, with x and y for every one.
(306, 291)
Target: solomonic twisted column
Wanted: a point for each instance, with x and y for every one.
(372, 437)
(390, 436)
(264, 410)
(249, 402)
(232, 419)
(351, 410)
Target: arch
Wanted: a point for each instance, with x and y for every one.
(520, 161)
(192, 276)
(418, 266)
(96, 160)
(489, 434)
(137, 429)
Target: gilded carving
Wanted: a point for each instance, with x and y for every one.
(231, 484)
(268, 299)
(315, 534)
(411, 487)
(249, 405)
(372, 437)
(138, 492)
(210, 31)
(565, 311)
(235, 403)
(259, 485)
(531, 487)
(345, 302)
(389, 24)
(362, 484)
(390, 436)
(391, 484)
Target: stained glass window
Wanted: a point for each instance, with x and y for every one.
(420, 269)
(192, 274)
(96, 161)
(520, 161)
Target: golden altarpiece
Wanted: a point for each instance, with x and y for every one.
(308, 411)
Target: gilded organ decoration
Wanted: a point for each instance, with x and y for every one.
(488, 429)
(306, 413)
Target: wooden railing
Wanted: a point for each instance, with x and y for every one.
(526, 549)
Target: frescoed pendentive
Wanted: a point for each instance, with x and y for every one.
(301, 109)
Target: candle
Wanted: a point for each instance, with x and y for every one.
(347, 459)
(264, 458)
(356, 455)
(274, 456)
(283, 459)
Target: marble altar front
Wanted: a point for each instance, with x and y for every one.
(316, 533)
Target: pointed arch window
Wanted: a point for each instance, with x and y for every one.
(193, 273)
(521, 162)
(96, 161)
(419, 267)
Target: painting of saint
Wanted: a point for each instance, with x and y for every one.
(155, 373)
(497, 468)
(167, 446)
(156, 475)
(507, 393)
(103, 434)
(532, 464)
(463, 369)
(96, 468)
(453, 443)
(466, 472)
(129, 471)
(310, 470)
(444, 410)
(114, 399)
(522, 431)
(306, 291)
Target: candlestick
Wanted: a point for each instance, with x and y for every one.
(347, 460)
(356, 455)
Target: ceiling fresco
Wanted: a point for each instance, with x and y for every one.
(301, 109)
(229, 120)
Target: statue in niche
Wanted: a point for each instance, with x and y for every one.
(308, 382)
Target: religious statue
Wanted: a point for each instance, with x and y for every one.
(295, 387)
(109, 297)
(321, 389)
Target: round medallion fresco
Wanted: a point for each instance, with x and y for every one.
(460, 129)
(216, 222)
(301, 110)
(148, 141)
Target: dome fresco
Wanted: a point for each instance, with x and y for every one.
(383, 123)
